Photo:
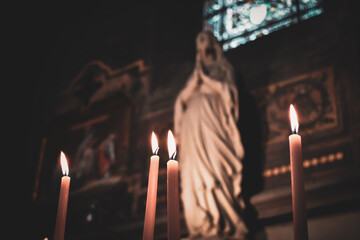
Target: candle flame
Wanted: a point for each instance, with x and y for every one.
(294, 120)
(64, 164)
(171, 145)
(154, 144)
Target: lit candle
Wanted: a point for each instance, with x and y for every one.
(63, 199)
(149, 222)
(173, 207)
(297, 180)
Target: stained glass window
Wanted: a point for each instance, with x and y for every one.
(236, 22)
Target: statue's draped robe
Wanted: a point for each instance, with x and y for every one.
(210, 154)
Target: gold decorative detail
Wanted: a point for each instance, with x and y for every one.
(307, 163)
(284, 169)
(331, 157)
(315, 162)
(323, 159)
(267, 173)
(339, 155)
(275, 171)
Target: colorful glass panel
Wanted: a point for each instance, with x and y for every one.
(236, 22)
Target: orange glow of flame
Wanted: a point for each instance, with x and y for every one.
(171, 145)
(154, 144)
(294, 120)
(64, 164)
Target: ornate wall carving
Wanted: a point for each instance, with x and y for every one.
(314, 97)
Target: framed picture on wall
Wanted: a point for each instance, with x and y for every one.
(96, 143)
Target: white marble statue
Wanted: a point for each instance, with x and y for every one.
(206, 111)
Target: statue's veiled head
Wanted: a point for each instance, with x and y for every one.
(207, 47)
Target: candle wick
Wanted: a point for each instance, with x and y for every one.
(156, 151)
(173, 155)
(295, 129)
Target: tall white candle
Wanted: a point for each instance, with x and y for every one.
(63, 200)
(297, 180)
(173, 207)
(150, 212)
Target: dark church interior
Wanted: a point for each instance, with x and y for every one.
(101, 76)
